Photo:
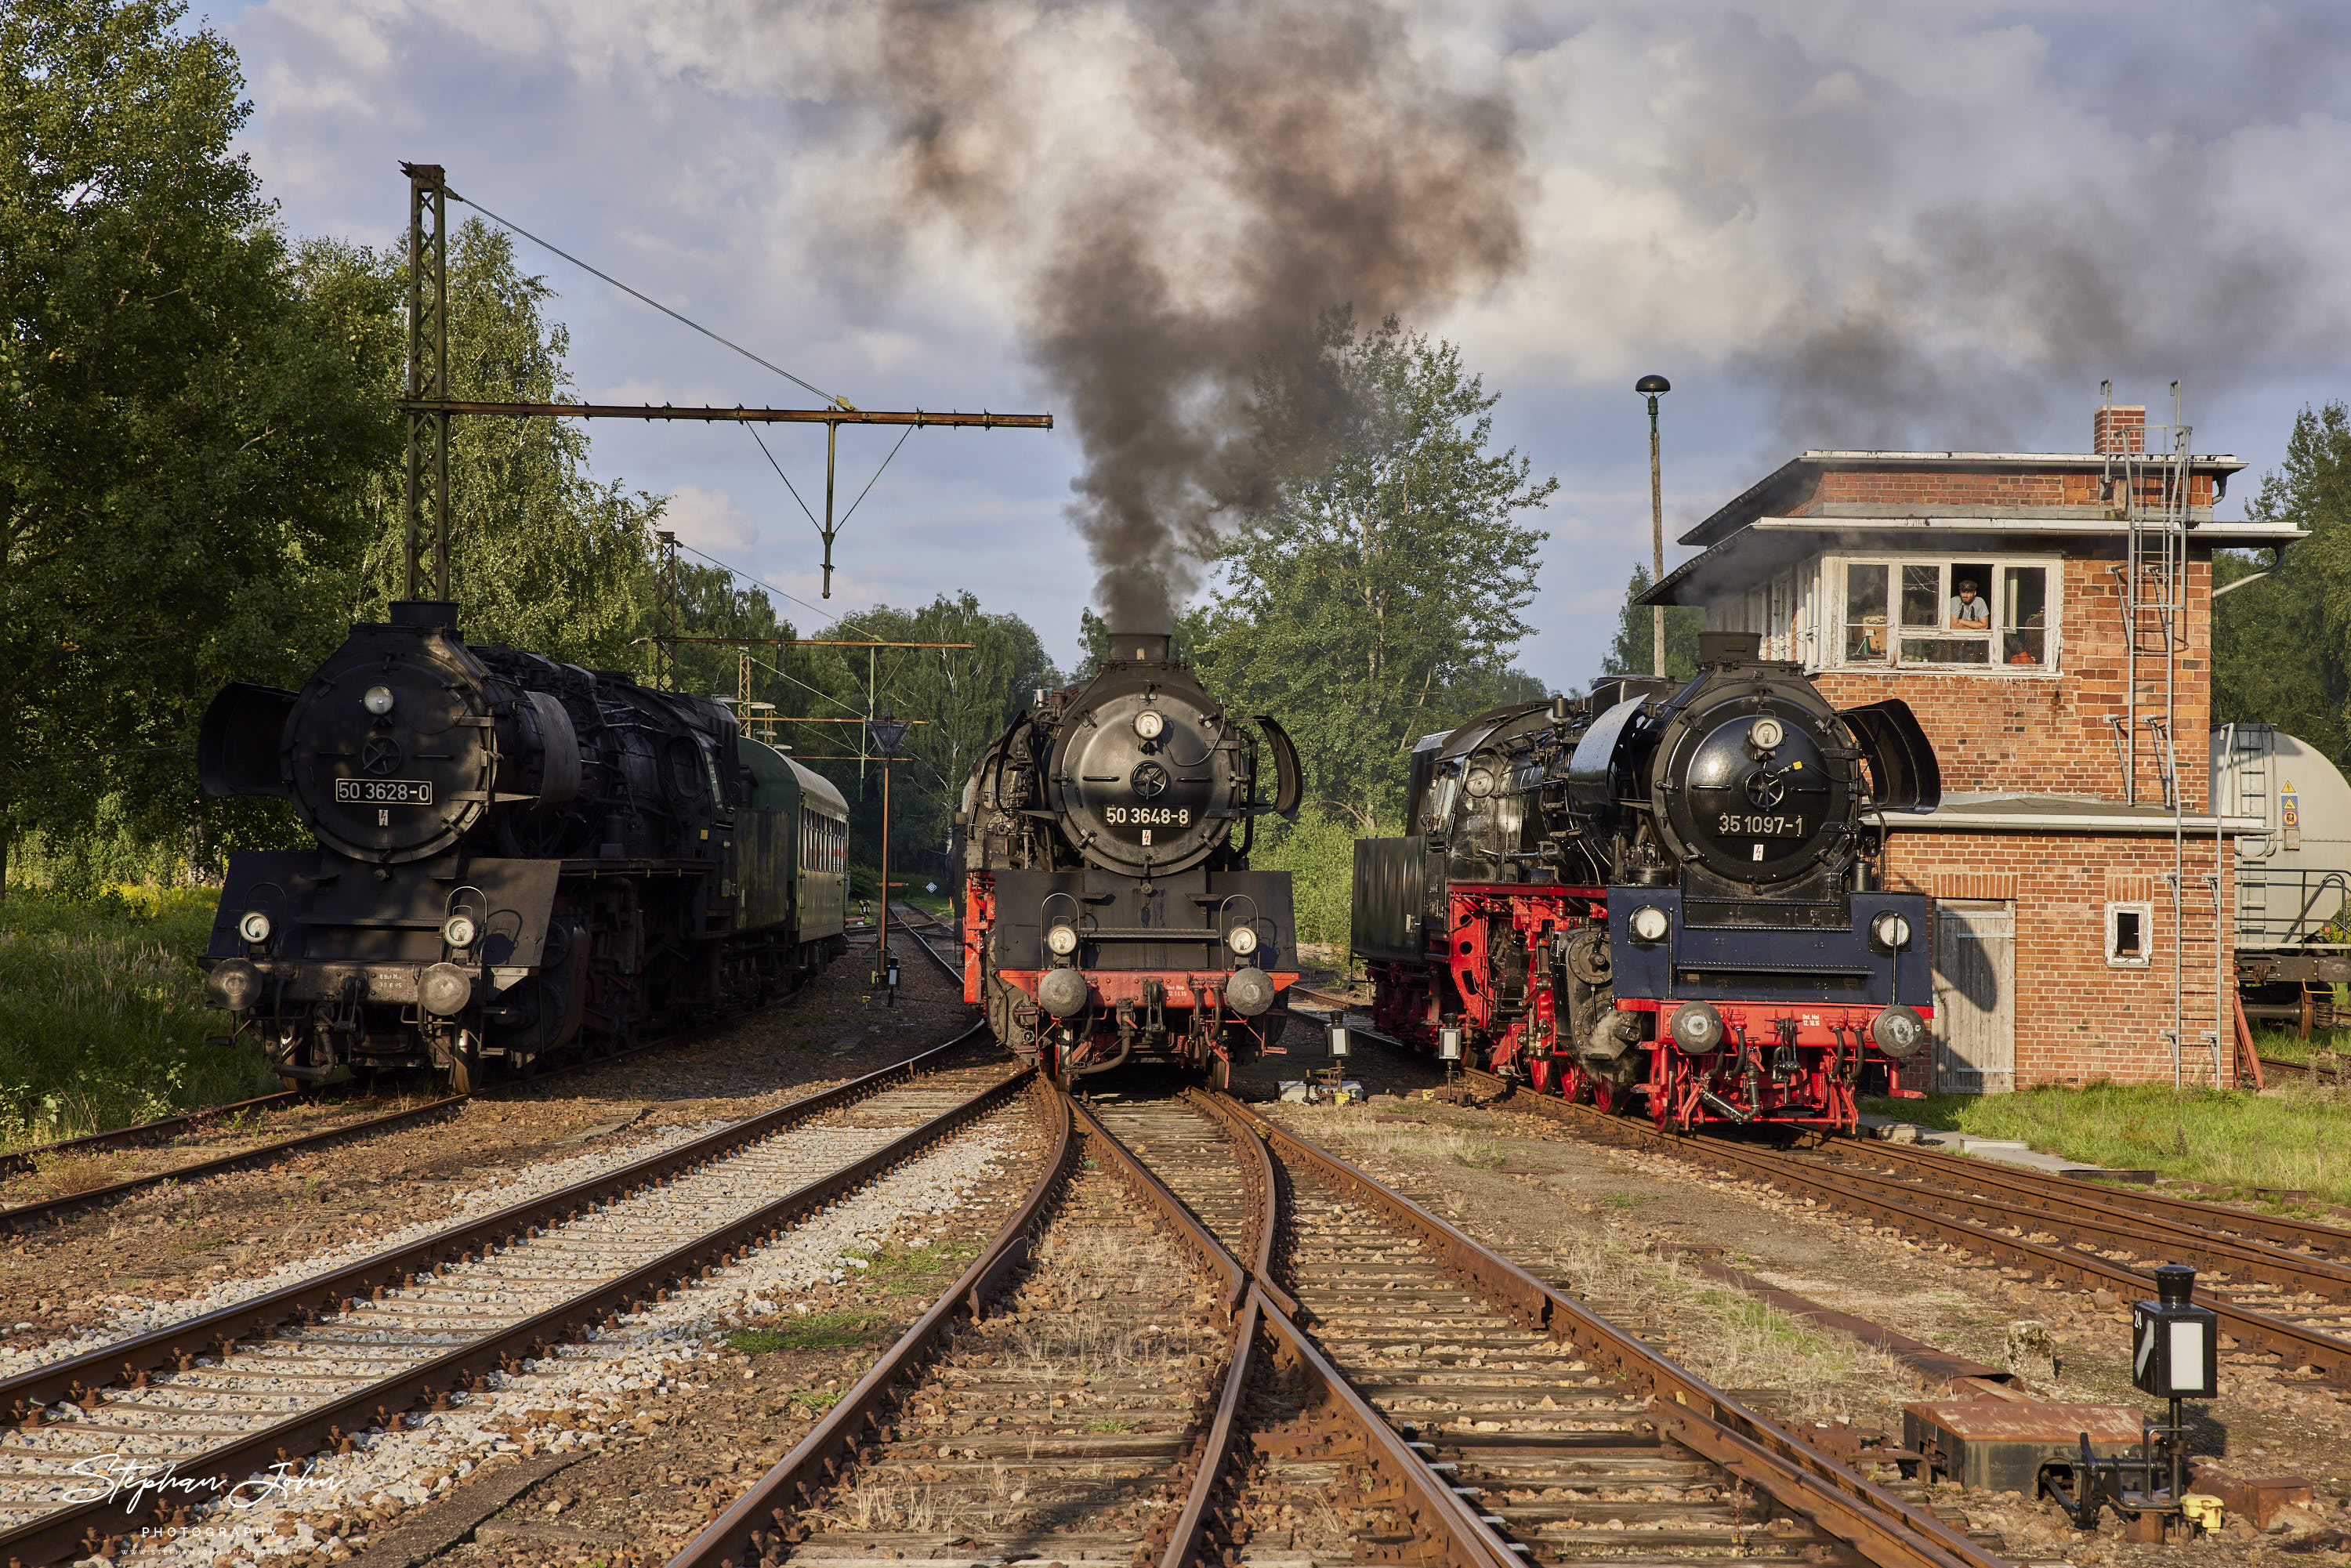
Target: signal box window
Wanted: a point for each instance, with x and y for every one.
(1864, 613)
(2130, 934)
(1947, 614)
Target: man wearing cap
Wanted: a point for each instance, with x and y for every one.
(1968, 613)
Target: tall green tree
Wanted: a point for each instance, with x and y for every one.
(1379, 595)
(962, 697)
(183, 420)
(1635, 649)
(2279, 645)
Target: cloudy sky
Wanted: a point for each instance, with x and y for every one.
(1933, 225)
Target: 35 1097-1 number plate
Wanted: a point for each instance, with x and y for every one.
(384, 791)
(1759, 825)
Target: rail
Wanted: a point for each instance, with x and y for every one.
(94, 1527)
(1710, 1422)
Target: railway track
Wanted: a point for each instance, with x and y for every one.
(51, 1210)
(336, 1361)
(16, 1162)
(2282, 1286)
(1382, 1386)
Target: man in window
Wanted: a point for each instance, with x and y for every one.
(1969, 612)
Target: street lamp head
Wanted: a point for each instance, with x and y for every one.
(888, 731)
(1651, 385)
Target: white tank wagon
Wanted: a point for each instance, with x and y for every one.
(2292, 878)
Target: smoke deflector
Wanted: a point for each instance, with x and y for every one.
(1903, 773)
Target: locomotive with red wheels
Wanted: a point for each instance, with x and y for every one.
(1664, 896)
(1109, 913)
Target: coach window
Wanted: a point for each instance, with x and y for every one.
(1947, 613)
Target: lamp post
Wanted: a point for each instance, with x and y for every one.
(1654, 387)
(888, 731)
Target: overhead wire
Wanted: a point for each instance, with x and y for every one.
(840, 617)
(788, 478)
(833, 398)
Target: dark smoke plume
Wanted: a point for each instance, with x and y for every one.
(1996, 330)
(1286, 157)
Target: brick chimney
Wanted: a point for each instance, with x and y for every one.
(2119, 428)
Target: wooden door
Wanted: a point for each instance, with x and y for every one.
(1975, 996)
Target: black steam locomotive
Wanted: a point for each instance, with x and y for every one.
(515, 858)
(1665, 891)
(1109, 915)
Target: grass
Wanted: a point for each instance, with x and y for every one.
(102, 1017)
(920, 1270)
(1430, 1142)
(2298, 1139)
(816, 1330)
(2285, 1045)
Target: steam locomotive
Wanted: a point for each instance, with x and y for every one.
(1109, 915)
(1664, 891)
(514, 858)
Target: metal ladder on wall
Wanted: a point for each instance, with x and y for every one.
(2248, 752)
(2151, 484)
(2152, 480)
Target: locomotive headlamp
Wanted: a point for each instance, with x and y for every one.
(1899, 1033)
(1766, 734)
(378, 700)
(1241, 940)
(1890, 931)
(1648, 924)
(255, 927)
(1149, 723)
(1696, 1028)
(458, 931)
(1063, 940)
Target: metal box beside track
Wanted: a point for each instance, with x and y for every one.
(1998, 1445)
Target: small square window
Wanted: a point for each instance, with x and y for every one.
(2130, 934)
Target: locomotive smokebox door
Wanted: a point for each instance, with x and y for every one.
(2175, 1344)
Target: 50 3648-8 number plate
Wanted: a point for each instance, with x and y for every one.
(384, 791)
(1759, 825)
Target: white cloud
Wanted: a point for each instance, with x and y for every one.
(708, 520)
(1837, 221)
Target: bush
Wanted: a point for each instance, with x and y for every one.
(103, 1016)
(1319, 853)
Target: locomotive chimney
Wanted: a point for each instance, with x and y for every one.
(1139, 647)
(1729, 648)
(427, 614)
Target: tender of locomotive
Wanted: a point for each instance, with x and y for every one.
(514, 858)
(1109, 915)
(1662, 891)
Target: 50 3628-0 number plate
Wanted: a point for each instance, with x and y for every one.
(384, 791)
(1759, 825)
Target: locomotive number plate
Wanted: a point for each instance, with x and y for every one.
(1147, 816)
(384, 791)
(1759, 825)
